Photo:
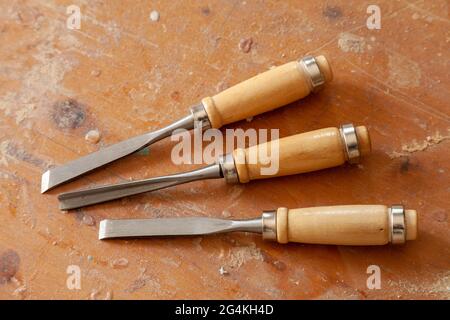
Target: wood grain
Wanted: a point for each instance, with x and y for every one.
(300, 153)
(262, 93)
(356, 225)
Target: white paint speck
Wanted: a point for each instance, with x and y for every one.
(93, 136)
(96, 73)
(222, 271)
(349, 42)
(88, 220)
(119, 263)
(154, 16)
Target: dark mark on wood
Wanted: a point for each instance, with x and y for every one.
(361, 292)
(68, 114)
(175, 95)
(332, 12)
(20, 154)
(9, 265)
(440, 216)
(404, 167)
(206, 11)
(279, 265)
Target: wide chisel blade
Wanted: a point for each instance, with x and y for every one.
(64, 173)
(69, 171)
(162, 227)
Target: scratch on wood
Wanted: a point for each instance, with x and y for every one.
(426, 108)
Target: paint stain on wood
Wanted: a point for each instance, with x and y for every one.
(403, 72)
(14, 151)
(349, 42)
(68, 114)
(154, 16)
(96, 295)
(242, 254)
(416, 146)
(96, 73)
(119, 263)
(245, 45)
(85, 218)
(144, 280)
(9, 265)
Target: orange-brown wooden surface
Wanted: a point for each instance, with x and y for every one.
(124, 74)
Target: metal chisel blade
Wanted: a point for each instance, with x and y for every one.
(162, 227)
(64, 173)
(69, 171)
(81, 198)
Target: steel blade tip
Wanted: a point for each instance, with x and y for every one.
(45, 181)
(103, 230)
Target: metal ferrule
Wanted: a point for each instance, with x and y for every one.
(397, 226)
(201, 119)
(316, 78)
(228, 167)
(350, 141)
(269, 225)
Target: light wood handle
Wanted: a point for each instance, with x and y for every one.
(264, 92)
(341, 225)
(299, 153)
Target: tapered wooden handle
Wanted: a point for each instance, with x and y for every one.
(295, 154)
(267, 91)
(342, 225)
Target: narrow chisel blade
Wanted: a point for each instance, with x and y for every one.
(162, 227)
(81, 198)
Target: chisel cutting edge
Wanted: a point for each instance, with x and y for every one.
(304, 152)
(336, 225)
(264, 92)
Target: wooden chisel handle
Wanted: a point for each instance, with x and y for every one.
(267, 91)
(305, 152)
(346, 225)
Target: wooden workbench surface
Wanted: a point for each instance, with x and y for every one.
(125, 72)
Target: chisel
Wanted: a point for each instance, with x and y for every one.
(356, 225)
(304, 152)
(264, 92)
